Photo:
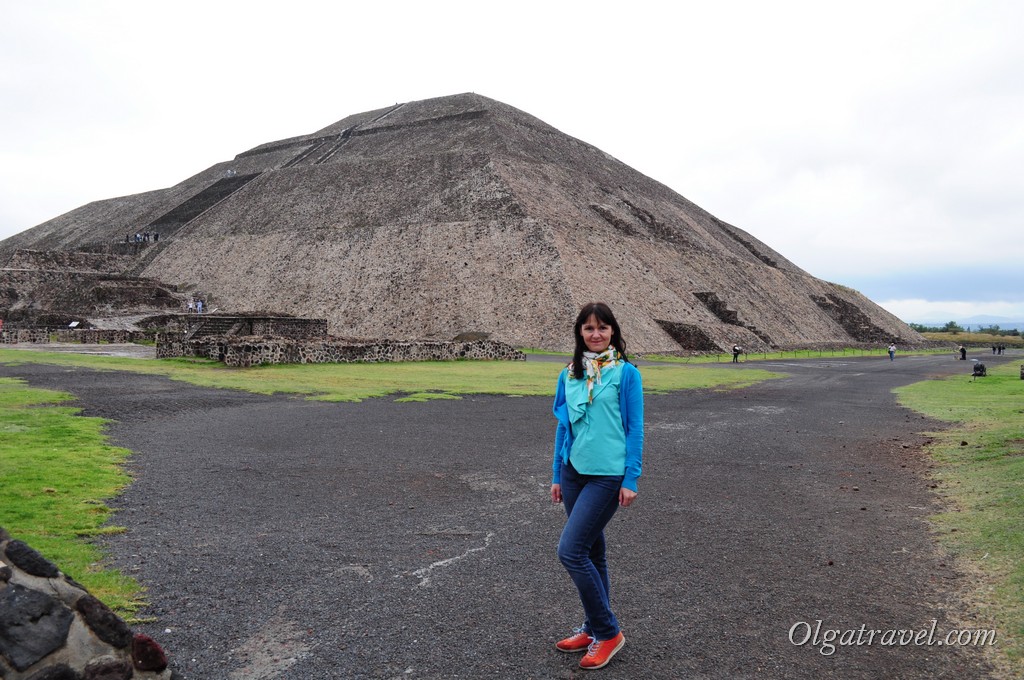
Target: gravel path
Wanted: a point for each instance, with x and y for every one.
(280, 538)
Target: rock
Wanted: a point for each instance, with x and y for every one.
(29, 561)
(51, 628)
(147, 654)
(58, 672)
(107, 668)
(32, 625)
(104, 623)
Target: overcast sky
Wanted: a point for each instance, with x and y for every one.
(875, 144)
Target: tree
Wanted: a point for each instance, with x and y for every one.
(952, 327)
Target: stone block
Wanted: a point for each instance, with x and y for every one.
(28, 560)
(33, 625)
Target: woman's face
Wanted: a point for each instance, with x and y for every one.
(597, 335)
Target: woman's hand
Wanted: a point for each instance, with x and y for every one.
(626, 497)
(556, 493)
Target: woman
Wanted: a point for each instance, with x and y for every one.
(598, 450)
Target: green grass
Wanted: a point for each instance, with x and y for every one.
(414, 381)
(545, 352)
(726, 357)
(983, 482)
(849, 352)
(977, 339)
(55, 471)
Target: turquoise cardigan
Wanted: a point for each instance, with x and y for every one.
(631, 405)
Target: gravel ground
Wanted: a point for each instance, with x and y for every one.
(281, 538)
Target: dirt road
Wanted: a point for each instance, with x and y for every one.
(281, 538)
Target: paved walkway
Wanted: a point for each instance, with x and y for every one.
(281, 538)
(113, 349)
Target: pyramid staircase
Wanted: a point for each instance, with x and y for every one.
(214, 326)
(193, 207)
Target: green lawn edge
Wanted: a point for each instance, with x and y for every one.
(838, 353)
(980, 474)
(56, 471)
(358, 381)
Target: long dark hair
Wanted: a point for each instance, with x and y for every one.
(602, 313)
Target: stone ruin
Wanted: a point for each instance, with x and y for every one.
(255, 351)
(51, 628)
(429, 219)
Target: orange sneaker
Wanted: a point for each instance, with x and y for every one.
(601, 652)
(577, 642)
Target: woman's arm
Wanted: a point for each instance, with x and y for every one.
(633, 422)
(561, 430)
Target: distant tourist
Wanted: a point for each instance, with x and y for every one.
(599, 405)
(736, 350)
(199, 306)
(993, 349)
(191, 306)
(892, 351)
(963, 352)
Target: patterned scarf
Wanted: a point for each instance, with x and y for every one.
(592, 365)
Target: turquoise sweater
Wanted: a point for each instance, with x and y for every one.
(631, 405)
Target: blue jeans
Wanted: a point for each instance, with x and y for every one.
(590, 501)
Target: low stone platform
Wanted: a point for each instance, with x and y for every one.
(253, 351)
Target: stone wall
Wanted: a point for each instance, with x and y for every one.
(65, 260)
(42, 336)
(297, 329)
(253, 351)
(85, 294)
(25, 335)
(95, 335)
(218, 325)
(51, 628)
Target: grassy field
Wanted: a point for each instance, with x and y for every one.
(411, 380)
(981, 475)
(725, 358)
(56, 471)
(977, 339)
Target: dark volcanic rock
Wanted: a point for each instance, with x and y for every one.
(32, 625)
(28, 560)
(104, 623)
(59, 672)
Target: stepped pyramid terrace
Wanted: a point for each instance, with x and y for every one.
(430, 220)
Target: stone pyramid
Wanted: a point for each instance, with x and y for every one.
(461, 214)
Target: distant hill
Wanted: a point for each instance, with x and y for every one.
(462, 214)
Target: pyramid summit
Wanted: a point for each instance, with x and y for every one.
(455, 215)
